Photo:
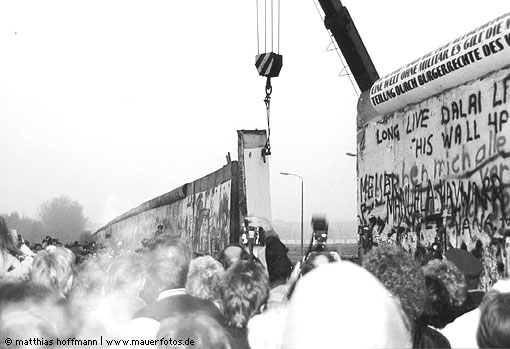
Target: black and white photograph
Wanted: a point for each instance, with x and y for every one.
(261, 174)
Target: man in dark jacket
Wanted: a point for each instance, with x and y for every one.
(169, 260)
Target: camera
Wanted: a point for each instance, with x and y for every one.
(255, 235)
(319, 235)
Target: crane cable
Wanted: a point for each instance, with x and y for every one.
(268, 64)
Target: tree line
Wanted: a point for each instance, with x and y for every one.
(61, 218)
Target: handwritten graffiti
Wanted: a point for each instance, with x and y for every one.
(220, 225)
(387, 134)
(458, 197)
(438, 171)
(212, 219)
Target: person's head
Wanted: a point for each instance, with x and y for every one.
(203, 278)
(243, 290)
(315, 260)
(231, 254)
(468, 264)
(421, 255)
(341, 305)
(89, 285)
(146, 242)
(452, 278)
(197, 331)
(438, 308)
(127, 273)
(279, 266)
(169, 259)
(54, 269)
(159, 231)
(494, 327)
(401, 275)
(7, 243)
(29, 310)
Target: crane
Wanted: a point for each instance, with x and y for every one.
(339, 22)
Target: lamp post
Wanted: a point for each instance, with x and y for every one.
(302, 199)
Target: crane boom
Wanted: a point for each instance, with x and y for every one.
(338, 20)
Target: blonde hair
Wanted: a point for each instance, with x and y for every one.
(54, 269)
(204, 277)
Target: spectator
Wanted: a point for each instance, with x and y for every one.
(146, 243)
(46, 241)
(125, 280)
(158, 232)
(169, 260)
(471, 267)
(89, 286)
(279, 266)
(403, 277)
(478, 250)
(455, 284)
(54, 269)
(316, 259)
(194, 331)
(231, 254)
(203, 278)
(341, 305)
(266, 330)
(24, 246)
(435, 316)
(31, 311)
(463, 330)
(422, 255)
(281, 289)
(244, 289)
(277, 262)
(273, 255)
(438, 307)
(87, 291)
(494, 327)
(11, 257)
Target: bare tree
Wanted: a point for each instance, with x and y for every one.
(63, 218)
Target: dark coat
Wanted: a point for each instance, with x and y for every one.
(181, 304)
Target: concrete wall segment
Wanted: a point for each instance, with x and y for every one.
(442, 166)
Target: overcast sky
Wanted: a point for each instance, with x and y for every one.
(116, 102)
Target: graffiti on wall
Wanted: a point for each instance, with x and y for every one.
(211, 228)
(200, 213)
(446, 174)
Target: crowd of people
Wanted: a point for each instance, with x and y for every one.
(165, 296)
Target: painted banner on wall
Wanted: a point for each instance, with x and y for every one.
(470, 56)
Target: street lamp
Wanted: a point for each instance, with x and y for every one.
(295, 175)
